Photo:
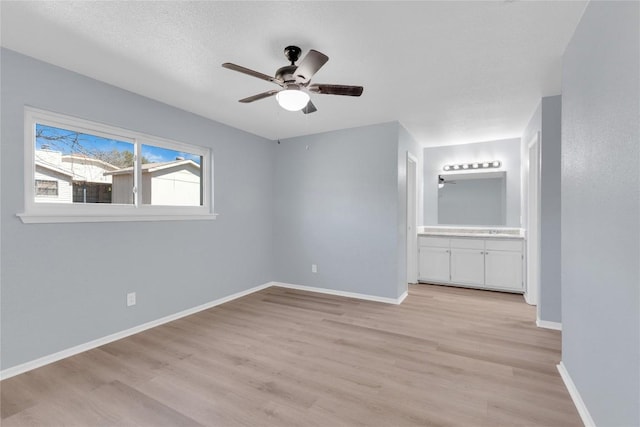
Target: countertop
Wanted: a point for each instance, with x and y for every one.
(479, 232)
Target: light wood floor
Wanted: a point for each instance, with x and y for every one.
(279, 357)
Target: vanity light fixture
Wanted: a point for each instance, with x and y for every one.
(474, 165)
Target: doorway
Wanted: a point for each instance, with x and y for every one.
(533, 223)
(412, 236)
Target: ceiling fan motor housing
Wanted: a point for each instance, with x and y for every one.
(292, 53)
(286, 73)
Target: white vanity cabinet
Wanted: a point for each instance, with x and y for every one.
(488, 263)
(467, 261)
(503, 262)
(433, 259)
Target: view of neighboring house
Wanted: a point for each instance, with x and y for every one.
(175, 183)
(71, 178)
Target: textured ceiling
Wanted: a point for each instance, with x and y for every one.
(450, 71)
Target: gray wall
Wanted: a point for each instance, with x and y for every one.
(547, 121)
(66, 284)
(601, 212)
(550, 202)
(505, 150)
(336, 197)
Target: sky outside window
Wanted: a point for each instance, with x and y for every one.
(71, 142)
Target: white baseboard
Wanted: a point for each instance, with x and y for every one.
(549, 325)
(402, 297)
(528, 299)
(342, 293)
(575, 396)
(45, 360)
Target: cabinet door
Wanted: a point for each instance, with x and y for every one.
(504, 270)
(433, 264)
(467, 266)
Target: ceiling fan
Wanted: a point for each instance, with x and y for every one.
(442, 181)
(294, 81)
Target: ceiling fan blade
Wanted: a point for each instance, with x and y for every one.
(259, 96)
(310, 65)
(336, 89)
(251, 72)
(309, 108)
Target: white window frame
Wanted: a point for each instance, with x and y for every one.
(35, 212)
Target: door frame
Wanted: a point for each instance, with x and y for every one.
(412, 218)
(532, 294)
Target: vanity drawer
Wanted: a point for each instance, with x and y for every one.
(467, 243)
(504, 245)
(438, 242)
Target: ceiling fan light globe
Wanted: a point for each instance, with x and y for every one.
(292, 99)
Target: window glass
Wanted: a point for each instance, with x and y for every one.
(46, 188)
(171, 177)
(85, 168)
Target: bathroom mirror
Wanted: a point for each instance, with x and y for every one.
(473, 199)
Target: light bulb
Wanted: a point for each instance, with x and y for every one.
(456, 167)
(485, 165)
(495, 164)
(446, 167)
(465, 166)
(475, 166)
(292, 99)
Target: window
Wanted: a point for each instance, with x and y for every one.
(86, 159)
(87, 171)
(46, 188)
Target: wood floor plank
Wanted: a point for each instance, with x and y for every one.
(285, 357)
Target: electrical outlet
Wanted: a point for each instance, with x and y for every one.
(314, 268)
(131, 299)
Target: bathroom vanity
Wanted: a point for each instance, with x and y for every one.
(484, 258)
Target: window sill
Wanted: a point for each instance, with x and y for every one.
(39, 218)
